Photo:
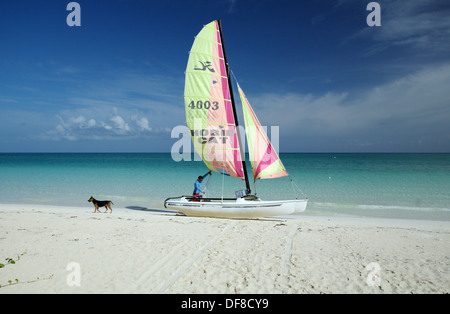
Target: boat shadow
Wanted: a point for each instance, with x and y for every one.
(169, 211)
(154, 210)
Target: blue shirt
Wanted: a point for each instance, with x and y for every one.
(198, 185)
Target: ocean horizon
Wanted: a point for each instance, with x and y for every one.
(388, 185)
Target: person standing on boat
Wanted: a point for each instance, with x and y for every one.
(198, 187)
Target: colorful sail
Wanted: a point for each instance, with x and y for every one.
(209, 112)
(264, 159)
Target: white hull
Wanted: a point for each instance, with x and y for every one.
(239, 208)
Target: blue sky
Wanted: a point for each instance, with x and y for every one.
(314, 68)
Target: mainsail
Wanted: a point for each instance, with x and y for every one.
(209, 112)
(264, 159)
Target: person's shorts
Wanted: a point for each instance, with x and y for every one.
(197, 197)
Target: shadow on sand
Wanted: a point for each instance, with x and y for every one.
(154, 210)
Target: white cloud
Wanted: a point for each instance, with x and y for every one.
(142, 123)
(73, 127)
(91, 123)
(81, 122)
(106, 127)
(121, 127)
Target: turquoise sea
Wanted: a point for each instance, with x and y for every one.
(415, 186)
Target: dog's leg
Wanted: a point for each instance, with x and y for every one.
(96, 209)
(109, 205)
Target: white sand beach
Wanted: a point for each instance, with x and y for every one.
(71, 250)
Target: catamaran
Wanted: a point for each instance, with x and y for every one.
(212, 120)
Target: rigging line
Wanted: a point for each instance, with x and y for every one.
(206, 97)
(201, 73)
(207, 184)
(234, 76)
(208, 54)
(293, 189)
(207, 39)
(205, 54)
(223, 179)
(295, 185)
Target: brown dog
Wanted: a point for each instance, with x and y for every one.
(98, 204)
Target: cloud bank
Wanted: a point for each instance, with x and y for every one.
(413, 111)
(73, 126)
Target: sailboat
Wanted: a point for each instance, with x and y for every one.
(213, 123)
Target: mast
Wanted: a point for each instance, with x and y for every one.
(242, 149)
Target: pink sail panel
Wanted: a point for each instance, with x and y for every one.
(264, 159)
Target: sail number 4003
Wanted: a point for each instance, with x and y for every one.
(204, 105)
